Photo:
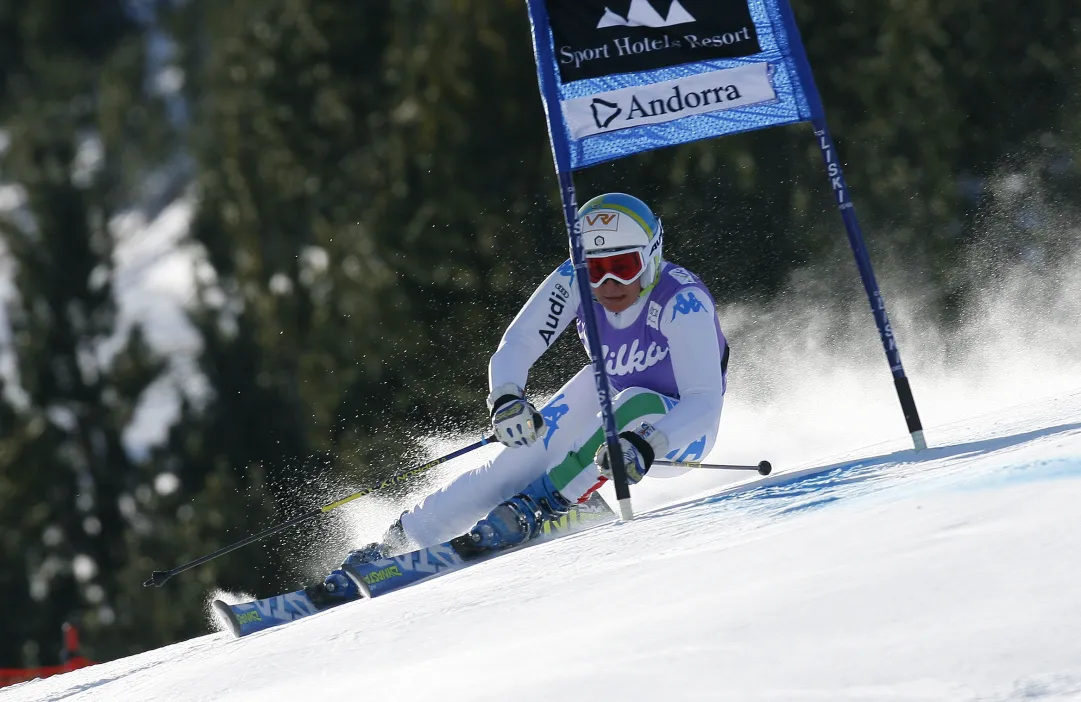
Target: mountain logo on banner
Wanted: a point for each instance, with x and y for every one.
(642, 14)
(597, 38)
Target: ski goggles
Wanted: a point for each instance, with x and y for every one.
(621, 266)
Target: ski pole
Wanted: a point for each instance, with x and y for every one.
(158, 577)
(763, 467)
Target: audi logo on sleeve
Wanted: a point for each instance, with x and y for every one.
(595, 38)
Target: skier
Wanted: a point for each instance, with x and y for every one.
(666, 360)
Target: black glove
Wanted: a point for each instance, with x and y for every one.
(639, 448)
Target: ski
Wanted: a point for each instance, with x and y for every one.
(390, 574)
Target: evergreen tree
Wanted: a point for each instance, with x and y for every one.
(65, 463)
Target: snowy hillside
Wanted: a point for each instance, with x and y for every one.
(951, 574)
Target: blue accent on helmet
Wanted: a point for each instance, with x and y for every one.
(628, 204)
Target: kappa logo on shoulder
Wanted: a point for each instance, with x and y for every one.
(688, 304)
(606, 221)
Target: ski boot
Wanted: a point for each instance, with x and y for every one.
(338, 587)
(515, 521)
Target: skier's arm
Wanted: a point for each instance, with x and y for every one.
(696, 362)
(545, 315)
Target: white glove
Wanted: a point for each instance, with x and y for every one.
(639, 447)
(515, 420)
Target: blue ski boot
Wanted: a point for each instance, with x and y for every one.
(515, 521)
(338, 587)
(335, 589)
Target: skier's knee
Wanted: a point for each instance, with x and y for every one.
(635, 405)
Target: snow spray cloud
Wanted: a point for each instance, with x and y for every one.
(809, 383)
(213, 620)
(366, 520)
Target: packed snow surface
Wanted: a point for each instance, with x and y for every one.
(948, 574)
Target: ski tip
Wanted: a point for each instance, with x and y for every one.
(764, 468)
(227, 616)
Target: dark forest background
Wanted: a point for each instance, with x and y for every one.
(365, 176)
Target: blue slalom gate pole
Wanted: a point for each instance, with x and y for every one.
(855, 235)
(561, 155)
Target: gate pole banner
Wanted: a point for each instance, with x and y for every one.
(635, 75)
(618, 77)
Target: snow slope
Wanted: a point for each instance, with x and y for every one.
(950, 574)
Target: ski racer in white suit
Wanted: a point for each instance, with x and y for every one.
(666, 360)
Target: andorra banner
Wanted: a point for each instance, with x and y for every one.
(635, 75)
